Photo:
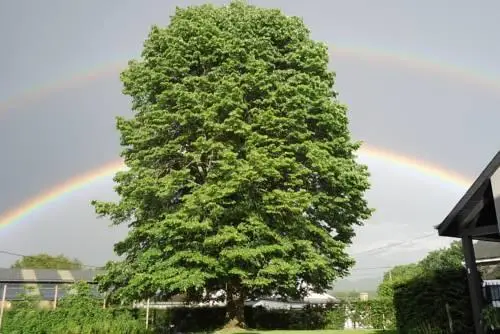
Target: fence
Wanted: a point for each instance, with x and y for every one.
(491, 292)
(48, 294)
(45, 291)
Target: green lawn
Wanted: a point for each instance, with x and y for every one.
(345, 331)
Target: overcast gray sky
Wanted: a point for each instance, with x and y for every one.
(445, 114)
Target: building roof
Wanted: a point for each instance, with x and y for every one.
(48, 284)
(477, 205)
(49, 276)
(487, 250)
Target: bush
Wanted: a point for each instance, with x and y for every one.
(78, 313)
(310, 318)
(82, 313)
(377, 313)
(420, 303)
(69, 321)
(491, 319)
(336, 317)
(209, 319)
(197, 319)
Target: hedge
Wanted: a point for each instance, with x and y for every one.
(82, 313)
(63, 321)
(420, 304)
(377, 313)
(91, 318)
(209, 319)
(76, 314)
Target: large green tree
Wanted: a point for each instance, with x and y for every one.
(46, 261)
(242, 174)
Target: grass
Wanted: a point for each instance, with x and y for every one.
(323, 331)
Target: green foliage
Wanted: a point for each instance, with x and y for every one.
(46, 261)
(76, 313)
(241, 173)
(397, 275)
(336, 317)
(375, 313)
(28, 300)
(446, 258)
(420, 292)
(422, 302)
(491, 317)
(79, 312)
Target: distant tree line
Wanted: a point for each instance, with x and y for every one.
(46, 261)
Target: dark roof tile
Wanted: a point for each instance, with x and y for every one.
(487, 250)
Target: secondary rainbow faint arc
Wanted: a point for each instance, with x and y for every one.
(368, 54)
(74, 184)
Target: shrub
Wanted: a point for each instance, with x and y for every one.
(76, 313)
(82, 313)
(377, 313)
(421, 302)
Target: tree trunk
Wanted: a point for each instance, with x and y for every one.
(235, 312)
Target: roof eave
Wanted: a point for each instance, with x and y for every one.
(484, 177)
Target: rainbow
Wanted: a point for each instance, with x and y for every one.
(59, 191)
(366, 54)
(423, 167)
(36, 93)
(79, 182)
(424, 65)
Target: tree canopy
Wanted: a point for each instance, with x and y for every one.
(242, 174)
(398, 274)
(46, 261)
(450, 257)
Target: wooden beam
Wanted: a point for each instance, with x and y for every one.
(481, 231)
(472, 215)
(487, 262)
(487, 238)
(495, 187)
(473, 279)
